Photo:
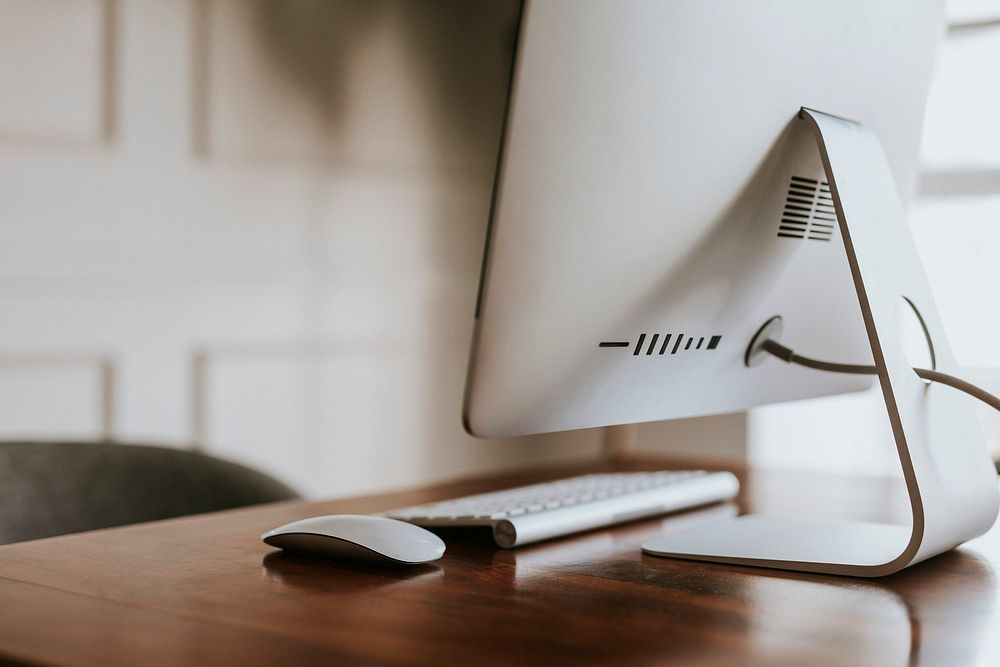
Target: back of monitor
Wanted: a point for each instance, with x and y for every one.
(650, 154)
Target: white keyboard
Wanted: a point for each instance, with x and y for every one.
(540, 511)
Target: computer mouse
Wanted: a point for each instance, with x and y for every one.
(371, 539)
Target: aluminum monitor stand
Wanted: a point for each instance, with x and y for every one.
(950, 480)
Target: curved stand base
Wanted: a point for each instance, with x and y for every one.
(828, 546)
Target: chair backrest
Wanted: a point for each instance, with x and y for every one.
(52, 488)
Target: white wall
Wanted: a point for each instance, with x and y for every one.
(956, 225)
(269, 217)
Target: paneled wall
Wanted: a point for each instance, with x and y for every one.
(255, 227)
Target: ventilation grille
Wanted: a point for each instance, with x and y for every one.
(809, 211)
(659, 344)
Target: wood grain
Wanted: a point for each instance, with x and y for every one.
(205, 589)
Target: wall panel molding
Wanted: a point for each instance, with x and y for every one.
(86, 387)
(58, 70)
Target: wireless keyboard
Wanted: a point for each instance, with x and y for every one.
(531, 513)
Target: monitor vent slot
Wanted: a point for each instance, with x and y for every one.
(809, 213)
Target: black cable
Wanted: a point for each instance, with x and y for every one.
(785, 354)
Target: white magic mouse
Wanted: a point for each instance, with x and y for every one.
(371, 539)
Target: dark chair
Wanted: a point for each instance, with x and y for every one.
(52, 488)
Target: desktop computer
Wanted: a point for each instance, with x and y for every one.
(687, 188)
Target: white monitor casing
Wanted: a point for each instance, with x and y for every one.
(658, 177)
(646, 163)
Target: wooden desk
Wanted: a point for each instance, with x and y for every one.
(205, 590)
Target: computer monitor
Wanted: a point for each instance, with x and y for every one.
(637, 239)
(660, 196)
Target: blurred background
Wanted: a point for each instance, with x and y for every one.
(254, 228)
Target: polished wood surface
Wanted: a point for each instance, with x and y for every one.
(206, 590)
